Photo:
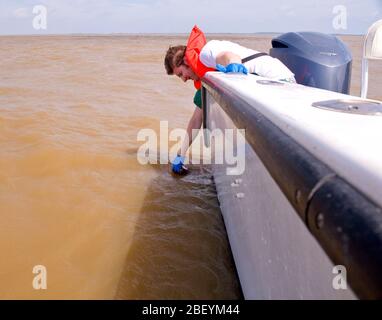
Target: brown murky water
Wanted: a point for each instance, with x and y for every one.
(73, 197)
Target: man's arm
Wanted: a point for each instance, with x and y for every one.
(226, 57)
(229, 62)
(194, 123)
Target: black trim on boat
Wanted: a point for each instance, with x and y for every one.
(254, 56)
(345, 222)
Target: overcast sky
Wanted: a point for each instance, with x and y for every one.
(176, 16)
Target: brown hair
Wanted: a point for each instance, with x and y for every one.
(174, 58)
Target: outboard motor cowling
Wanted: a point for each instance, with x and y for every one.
(317, 60)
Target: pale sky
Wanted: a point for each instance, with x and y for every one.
(176, 16)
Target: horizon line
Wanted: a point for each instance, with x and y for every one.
(162, 33)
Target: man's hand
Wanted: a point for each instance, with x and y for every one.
(178, 165)
(232, 67)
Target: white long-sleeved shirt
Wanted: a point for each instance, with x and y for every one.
(265, 66)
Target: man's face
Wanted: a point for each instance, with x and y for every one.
(185, 73)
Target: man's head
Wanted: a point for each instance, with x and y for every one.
(175, 63)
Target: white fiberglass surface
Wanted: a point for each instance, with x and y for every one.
(348, 143)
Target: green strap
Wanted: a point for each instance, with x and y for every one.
(198, 98)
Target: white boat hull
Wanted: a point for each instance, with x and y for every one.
(276, 255)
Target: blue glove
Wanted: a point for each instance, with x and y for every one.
(232, 67)
(177, 164)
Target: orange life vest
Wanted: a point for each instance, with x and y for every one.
(195, 44)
